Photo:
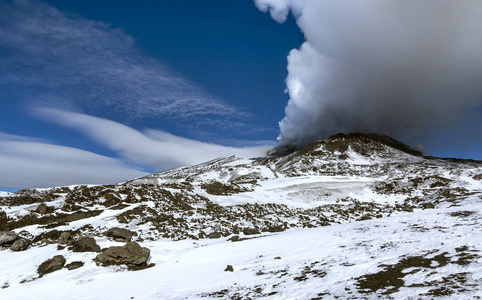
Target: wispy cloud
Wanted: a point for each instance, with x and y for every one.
(153, 148)
(52, 55)
(27, 162)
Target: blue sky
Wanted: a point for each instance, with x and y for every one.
(101, 91)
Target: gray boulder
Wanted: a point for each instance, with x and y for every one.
(120, 234)
(51, 265)
(85, 244)
(19, 245)
(131, 255)
(7, 237)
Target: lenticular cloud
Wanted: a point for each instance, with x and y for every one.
(393, 67)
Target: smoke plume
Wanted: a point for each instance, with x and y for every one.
(393, 67)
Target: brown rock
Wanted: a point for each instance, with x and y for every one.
(19, 245)
(7, 237)
(3, 220)
(131, 254)
(214, 235)
(51, 265)
(65, 237)
(44, 209)
(120, 233)
(85, 244)
(74, 265)
(250, 231)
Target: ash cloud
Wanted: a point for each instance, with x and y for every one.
(395, 67)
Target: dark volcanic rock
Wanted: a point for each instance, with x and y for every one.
(7, 237)
(250, 231)
(131, 254)
(44, 209)
(74, 265)
(3, 220)
(48, 237)
(120, 234)
(85, 244)
(19, 245)
(65, 237)
(50, 265)
(57, 220)
(215, 235)
(234, 238)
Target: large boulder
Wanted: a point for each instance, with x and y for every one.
(131, 254)
(19, 245)
(120, 234)
(7, 237)
(50, 265)
(85, 244)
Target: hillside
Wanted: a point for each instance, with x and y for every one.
(355, 216)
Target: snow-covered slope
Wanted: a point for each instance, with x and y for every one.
(400, 224)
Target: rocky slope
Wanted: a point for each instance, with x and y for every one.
(358, 184)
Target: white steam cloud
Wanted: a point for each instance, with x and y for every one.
(394, 67)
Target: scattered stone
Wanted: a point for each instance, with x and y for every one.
(131, 254)
(250, 231)
(19, 245)
(51, 265)
(275, 228)
(85, 244)
(44, 209)
(74, 265)
(3, 220)
(7, 237)
(234, 238)
(48, 237)
(215, 235)
(428, 205)
(364, 218)
(277, 257)
(229, 268)
(120, 234)
(65, 237)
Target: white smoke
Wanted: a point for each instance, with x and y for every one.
(395, 67)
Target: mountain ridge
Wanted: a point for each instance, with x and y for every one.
(340, 182)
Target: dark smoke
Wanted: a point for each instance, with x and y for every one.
(394, 67)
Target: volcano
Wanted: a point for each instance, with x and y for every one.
(354, 216)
